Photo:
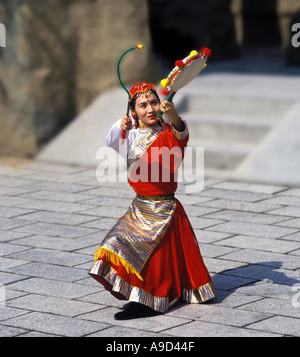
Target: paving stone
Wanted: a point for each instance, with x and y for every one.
(263, 272)
(52, 167)
(240, 205)
(218, 265)
(216, 314)
(52, 257)
(11, 200)
(279, 324)
(37, 334)
(291, 192)
(55, 288)
(212, 251)
(103, 298)
(6, 331)
(292, 223)
(104, 211)
(279, 307)
(288, 211)
(268, 289)
(10, 223)
(13, 181)
(293, 237)
(253, 229)
(263, 258)
(8, 312)
(102, 224)
(158, 323)
(10, 212)
(54, 324)
(54, 177)
(6, 263)
(201, 222)
(60, 243)
(109, 192)
(7, 248)
(118, 331)
(55, 206)
(108, 201)
(207, 329)
(54, 305)
(14, 191)
(209, 237)
(7, 236)
(49, 271)
(57, 187)
(71, 219)
(242, 186)
(12, 294)
(55, 196)
(192, 210)
(233, 299)
(259, 218)
(192, 199)
(56, 230)
(284, 200)
(227, 282)
(258, 243)
(234, 195)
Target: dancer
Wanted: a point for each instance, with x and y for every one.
(151, 255)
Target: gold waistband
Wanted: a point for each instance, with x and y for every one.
(157, 198)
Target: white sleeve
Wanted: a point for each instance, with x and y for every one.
(114, 135)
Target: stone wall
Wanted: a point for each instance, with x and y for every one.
(59, 56)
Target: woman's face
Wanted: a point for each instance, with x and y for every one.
(146, 108)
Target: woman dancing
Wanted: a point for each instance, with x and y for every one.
(151, 256)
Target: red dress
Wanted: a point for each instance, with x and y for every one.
(151, 255)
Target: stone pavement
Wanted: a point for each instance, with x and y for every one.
(53, 217)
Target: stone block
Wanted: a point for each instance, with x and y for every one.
(56, 325)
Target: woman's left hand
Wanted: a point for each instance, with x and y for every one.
(169, 109)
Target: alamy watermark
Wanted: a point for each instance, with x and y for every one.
(296, 297)
(164, 165)
(2, 295)
(295, 40)
(2, 35)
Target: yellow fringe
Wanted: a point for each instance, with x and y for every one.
(104, 254)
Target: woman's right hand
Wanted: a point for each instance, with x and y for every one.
(126, 123)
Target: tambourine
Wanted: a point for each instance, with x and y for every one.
(184, 72)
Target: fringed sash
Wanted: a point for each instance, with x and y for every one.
(135, 236)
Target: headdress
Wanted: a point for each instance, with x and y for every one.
(142, 87)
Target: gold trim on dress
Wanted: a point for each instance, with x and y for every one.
(157, 198)
(158, 303)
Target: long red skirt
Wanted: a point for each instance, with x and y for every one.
(175, 269)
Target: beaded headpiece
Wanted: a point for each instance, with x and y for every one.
(142, 88)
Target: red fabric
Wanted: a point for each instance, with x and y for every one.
(149, 188)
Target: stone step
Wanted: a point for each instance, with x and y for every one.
(268, 108)
(227, 128)
(218, 155)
